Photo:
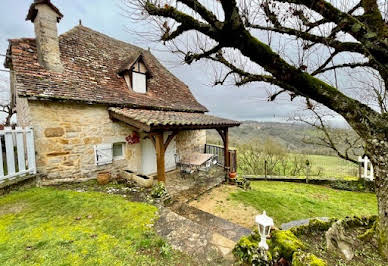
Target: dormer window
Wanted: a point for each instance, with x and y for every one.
(136, 74)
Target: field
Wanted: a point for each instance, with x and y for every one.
(52, 227)
(295, 165)
(332, 166)
(285, 202)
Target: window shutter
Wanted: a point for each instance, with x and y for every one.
(139, 82)
(103, 154)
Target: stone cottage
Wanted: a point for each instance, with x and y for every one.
(100, 104)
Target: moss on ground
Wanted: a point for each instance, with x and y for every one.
(301, 258)
(46, 226)
(283, 244)
(314, 225)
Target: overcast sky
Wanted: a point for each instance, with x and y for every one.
(106, 16)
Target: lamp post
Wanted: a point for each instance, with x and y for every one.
(264, 225)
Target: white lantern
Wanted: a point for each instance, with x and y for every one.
(264, 225)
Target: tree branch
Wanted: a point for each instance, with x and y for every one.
(351, 65)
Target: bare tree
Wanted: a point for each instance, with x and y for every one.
(304, 33)
(343, 141)
(7, 103)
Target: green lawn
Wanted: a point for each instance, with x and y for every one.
(54, 227)
(286, 202)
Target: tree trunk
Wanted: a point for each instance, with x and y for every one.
(378, 154)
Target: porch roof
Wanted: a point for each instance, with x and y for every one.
(155, 120)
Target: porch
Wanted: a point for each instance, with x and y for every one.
(184, 187)
(160, 129)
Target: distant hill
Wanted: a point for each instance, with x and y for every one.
(290, 135)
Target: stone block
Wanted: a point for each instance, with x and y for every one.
(92, 140)
(54, 132)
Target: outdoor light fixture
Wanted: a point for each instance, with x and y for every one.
(264, 224)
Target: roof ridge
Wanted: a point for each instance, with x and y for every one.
(82, 27)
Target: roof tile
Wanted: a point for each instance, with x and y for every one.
(155, 118)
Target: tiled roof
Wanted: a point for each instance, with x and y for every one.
(91, 61)
(153, 119)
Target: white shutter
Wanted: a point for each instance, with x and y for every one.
(139, 82)
(103, 154)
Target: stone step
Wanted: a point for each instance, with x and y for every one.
(217, 224)
(200, 242)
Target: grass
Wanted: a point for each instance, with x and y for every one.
(53, 227)
(286, 202)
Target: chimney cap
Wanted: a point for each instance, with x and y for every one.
(32, 12)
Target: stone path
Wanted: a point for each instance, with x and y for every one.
(198, 241)
(216, 224)
(202, 235)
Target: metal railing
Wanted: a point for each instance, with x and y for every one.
(220, 157)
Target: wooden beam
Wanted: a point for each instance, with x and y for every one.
(160, 151)
(129, 121)
(190, 127)
(169, 139)
(225, 139)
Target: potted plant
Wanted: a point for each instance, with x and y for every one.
(232, 175)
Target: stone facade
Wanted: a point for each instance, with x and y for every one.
(65, 136)
(47, 38)
(190, 141)
(66, 133)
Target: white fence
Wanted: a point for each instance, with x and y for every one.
(17, 153)
(368, 168)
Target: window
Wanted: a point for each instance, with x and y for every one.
(118, 151)
(139, 82)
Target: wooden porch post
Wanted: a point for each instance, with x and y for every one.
(224, 135)
(159, 147)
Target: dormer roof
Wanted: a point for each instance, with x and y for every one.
(131, 61)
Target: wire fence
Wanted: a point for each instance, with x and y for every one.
(297, 165)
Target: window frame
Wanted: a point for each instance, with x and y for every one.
(122, 156)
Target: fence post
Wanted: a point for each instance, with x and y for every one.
(9, 148)
(265, 169)
(30, 150)
(307, 171)
(1, 159)
(20, 149)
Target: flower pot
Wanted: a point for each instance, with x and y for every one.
(232, 175)
(103, 178)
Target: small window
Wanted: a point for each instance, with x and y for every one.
(118, 151)
(139, 82)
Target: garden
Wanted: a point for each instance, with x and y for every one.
(286, 202)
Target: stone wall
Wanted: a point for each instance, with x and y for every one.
(190, 141)
(65, 135)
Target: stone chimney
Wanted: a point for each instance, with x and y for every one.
(45, 17)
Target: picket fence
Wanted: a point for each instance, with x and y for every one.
(17, 153)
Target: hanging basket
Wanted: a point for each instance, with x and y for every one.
(133, 139)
